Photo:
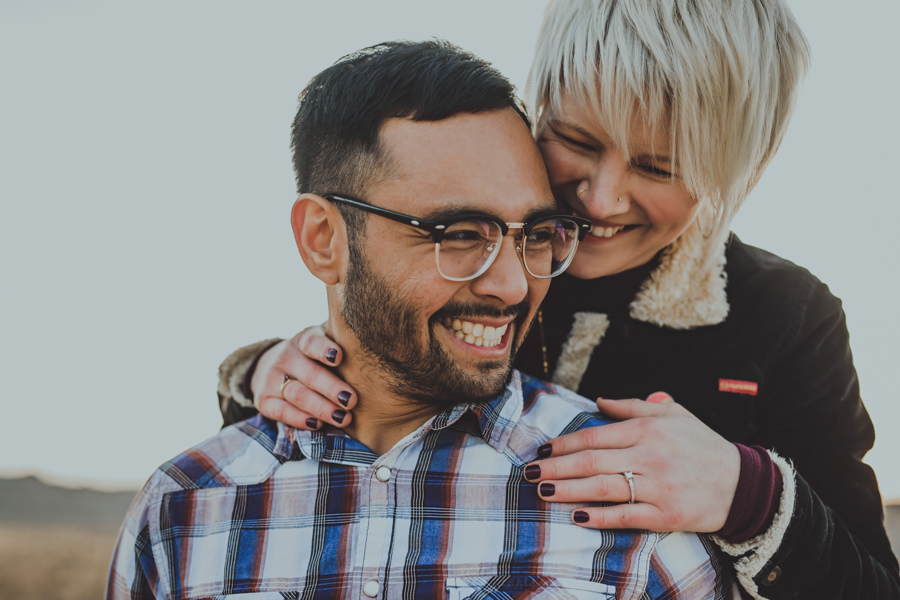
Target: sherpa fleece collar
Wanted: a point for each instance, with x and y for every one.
(683, 292)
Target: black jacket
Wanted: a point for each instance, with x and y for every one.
(785, 333)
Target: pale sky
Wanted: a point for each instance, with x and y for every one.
(146, 187)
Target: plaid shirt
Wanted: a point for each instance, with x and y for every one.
(264, 511)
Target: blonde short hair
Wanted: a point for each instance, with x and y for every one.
(721, 76)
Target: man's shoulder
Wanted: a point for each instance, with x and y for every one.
(548, 411)
(245, 453)
(541, 397)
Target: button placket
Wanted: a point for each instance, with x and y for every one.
(380, 527)
(383, 474)
(370, 588)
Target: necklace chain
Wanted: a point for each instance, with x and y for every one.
(545, 364)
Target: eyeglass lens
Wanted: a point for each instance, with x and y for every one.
(468, 246)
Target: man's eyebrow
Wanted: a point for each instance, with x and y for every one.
(439, 214)
(451, 212)
(542, 212)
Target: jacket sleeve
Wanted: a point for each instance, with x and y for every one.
(835, 545)
(235, 396)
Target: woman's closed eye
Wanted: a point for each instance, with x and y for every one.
(571, 141)
(655, 170)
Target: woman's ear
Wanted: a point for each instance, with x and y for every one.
(321, 237)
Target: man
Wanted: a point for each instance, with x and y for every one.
(425, 209)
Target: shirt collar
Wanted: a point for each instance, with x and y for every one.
(496, 420)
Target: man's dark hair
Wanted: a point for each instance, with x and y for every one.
(335, 136)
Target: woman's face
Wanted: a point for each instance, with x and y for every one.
(589, 174)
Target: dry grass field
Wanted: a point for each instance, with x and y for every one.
(58, 562)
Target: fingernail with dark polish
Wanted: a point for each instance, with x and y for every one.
(312, 423)
(547, 489)
(339, 415)
(344, 398)
(533, 472)
(581, 517)
(331, 355)
(544, 451)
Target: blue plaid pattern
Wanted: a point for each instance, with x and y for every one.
(263, 511)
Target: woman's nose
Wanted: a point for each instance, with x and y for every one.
(604, 193)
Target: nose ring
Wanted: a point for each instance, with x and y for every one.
(620, 199)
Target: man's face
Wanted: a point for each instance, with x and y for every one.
(404, 313)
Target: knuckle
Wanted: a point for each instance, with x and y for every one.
(294, 391)
(305, 342)
(590, 462)
(600, 487)
(619, 519)
(675, 521)
(592, 436)
(647, 428)
(272, 408)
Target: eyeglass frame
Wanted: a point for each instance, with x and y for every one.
(437, 227)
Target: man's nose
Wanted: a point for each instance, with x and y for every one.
(505, 279)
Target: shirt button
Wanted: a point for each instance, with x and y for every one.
(370, 589)
(382, 474)
(773, 576)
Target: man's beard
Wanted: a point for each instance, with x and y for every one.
(385, 323)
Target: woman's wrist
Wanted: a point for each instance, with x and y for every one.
(236, 371)
(756, 499)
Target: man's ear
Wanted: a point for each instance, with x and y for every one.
(321, 237)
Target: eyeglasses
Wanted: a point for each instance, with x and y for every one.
(465, 246)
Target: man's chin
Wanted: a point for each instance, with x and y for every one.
(458, 386)
(489, 380)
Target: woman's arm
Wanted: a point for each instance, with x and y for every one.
(836, 543)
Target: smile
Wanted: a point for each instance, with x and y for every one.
(606, 232)
(477, 334)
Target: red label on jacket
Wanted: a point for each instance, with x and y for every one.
(735, 386)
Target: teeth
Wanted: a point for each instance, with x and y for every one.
(606, 232)
(476, 333)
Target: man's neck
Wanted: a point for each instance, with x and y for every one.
(381, 418)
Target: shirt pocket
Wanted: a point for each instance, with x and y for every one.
(526, 586)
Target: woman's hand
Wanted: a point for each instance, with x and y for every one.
(685, 474)
(312, 395)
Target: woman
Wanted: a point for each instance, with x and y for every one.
(655, 120)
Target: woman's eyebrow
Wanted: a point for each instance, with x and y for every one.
(557, 123)
(654, 157)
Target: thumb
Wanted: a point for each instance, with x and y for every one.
(632, 407)
(660, 398)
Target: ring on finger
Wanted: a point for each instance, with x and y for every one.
(284, 381)
(629, 477)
